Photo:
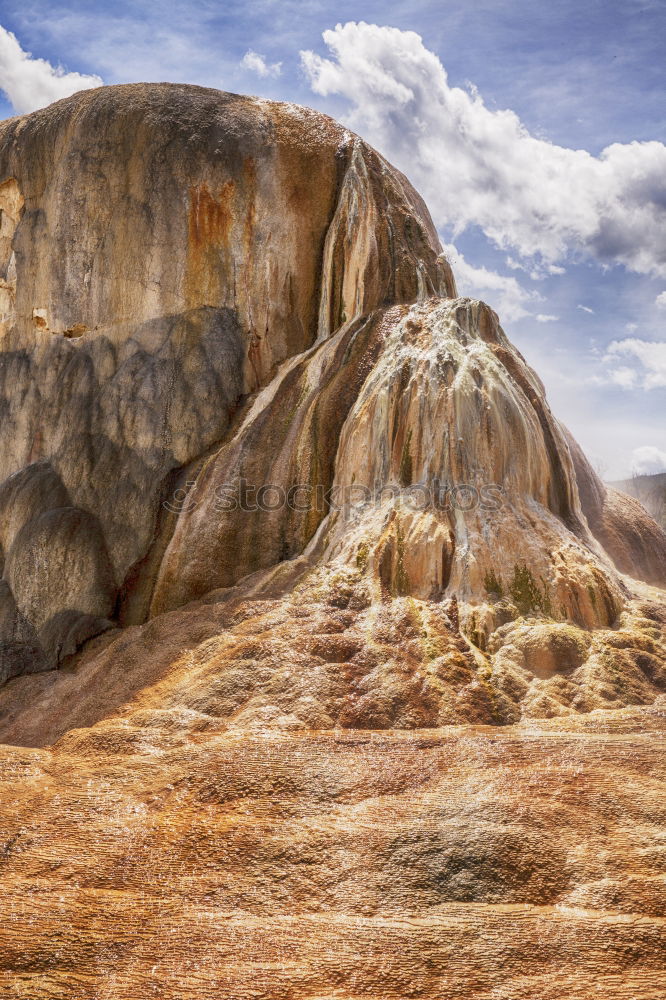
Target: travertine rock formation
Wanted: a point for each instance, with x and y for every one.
(266, 480)
(621, 524)
(165, 859)
(650, 489)
(163, 251)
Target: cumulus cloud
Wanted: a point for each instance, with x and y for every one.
(648, 370)
(257, 64)
(621, 376)
(478, 166)
(508, 296)
(546, 318)
(648, 460)
(660, 301)
(33, 83)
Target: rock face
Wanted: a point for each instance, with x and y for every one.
(650, 490)
(171, 860)
(163, 251)
(266, 480)
(621, 524)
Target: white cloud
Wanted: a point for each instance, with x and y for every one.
(477, 166)
(648, 460)
(554, 269)
(508, 296)
(546, 318)
(623, 377)
(257, 64)
(660, 301)
(33, 83)
(585, 309)
(649, 369)
(631, 327)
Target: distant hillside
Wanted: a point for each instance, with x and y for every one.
(650, 490)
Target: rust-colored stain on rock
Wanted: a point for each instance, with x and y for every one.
(210, 216)
(250, 192)
(210, 220)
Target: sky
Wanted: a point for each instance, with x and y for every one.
(535, 132)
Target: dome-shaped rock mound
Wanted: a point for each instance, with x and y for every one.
(266, 479)
(165, 250)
